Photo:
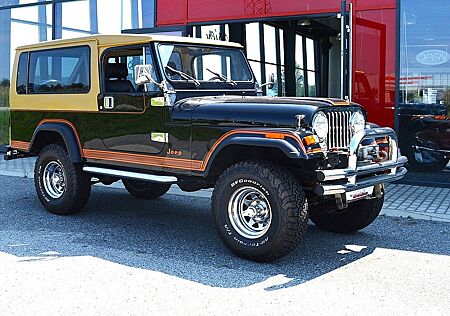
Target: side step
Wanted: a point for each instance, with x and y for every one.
(130, 175)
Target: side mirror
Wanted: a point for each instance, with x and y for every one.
(143, 75)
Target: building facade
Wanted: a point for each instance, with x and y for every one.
(391, 56)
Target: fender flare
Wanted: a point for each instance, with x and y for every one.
(68, 134)
(285, 146)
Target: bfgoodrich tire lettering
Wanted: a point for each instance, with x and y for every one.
(274, 186)
(72, 194)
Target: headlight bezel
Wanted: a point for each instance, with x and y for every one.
(322, 129)
(357, 121)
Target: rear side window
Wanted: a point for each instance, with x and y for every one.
(59, 71)
(21, 86)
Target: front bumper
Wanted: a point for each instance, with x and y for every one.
(355, 176)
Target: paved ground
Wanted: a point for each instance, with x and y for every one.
(124, 256)
(419, 202)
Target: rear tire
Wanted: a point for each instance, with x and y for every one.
(260, 210)
(62, 187)
(145, 190)
(355, 217)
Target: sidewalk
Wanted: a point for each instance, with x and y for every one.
(402, 200)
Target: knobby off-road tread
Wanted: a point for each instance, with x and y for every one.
(359, 215)
(150, 192)
(78, 187)
(294, 206)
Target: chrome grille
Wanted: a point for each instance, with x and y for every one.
(339, 132)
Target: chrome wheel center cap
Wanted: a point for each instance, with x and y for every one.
(249, 212)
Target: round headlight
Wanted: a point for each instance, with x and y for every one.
(320, 125)
(357, 121)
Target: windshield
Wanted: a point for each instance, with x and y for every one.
(203, 63)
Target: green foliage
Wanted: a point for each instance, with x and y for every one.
(4, 113)
(4, 127)
(4, 93)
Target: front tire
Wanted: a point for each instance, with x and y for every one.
(145, 190)
(355, 217)
(62, 187)
(260, 210)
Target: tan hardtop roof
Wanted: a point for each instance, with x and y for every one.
(124, 39)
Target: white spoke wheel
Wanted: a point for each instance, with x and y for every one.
(260, 210)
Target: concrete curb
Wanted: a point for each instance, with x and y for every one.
(416, 215)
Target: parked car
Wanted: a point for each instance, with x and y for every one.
(155, 111)
(425, 136)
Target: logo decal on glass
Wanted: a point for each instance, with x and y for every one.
(432, 57)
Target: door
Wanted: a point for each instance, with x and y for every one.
(346, 50)
(130, 119)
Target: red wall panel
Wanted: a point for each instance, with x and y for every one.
(374, 63)
(210, 10)
(170, 12)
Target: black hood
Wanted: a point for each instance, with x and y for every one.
(252, 111)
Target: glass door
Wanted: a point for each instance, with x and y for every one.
(346, 50)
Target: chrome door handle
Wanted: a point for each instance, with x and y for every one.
(108, 103)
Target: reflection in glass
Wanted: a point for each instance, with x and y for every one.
(252, 41)
(424, 98)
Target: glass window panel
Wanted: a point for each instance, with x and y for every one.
(269, 44)
(424, 84)
(252, 41)
(299, 82)
(311, 83)
(281, 47)
(256, 67)
(425, 55)
(310, 52)
(22, 77)
(212, 32)
(59, 71)
(109, 15)
(80, 20)
(271, 76)
(200, 62)
(298, 51)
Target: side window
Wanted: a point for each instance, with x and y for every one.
(22, 72)
(118, 69)
(58, 71)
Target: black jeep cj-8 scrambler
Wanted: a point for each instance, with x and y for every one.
(157, 111)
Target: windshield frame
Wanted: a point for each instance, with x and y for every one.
(218, 83)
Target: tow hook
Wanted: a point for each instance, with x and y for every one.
(378, 190)
(341, 201)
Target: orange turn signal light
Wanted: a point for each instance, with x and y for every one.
(275, 135)
(309, 140)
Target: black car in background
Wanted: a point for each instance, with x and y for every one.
(424, 135)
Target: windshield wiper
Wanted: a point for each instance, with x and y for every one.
(222, 77)
(184, 75)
